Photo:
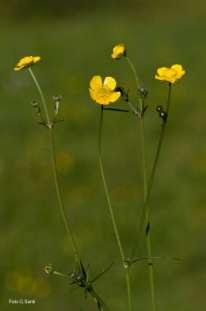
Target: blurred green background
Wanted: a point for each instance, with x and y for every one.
(75, 39)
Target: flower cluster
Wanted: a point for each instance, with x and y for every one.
(103, 91)
(106, 92)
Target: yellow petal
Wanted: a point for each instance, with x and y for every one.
(114, 97)
(159, 77)
(17, 68)
(118, 51)
(93, 94)
(162, 71)
(179, 70)
(110, 83)
(96, 82)
(177, 67)
(100, 98)
(36, 59)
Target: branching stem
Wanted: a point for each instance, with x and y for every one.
(62, 211)
(145, 183)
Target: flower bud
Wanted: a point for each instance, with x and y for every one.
(159, 108)
(118, 51)
(143, 92)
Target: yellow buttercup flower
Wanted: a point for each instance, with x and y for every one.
(170, 74)
(26, 62)
(118, 51)
(104, 92)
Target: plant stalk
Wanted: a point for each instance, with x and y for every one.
(145, 219)
(145, 184)
(62, 211)
(157, 155)
(114, 224)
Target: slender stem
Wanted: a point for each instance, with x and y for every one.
(145, 218)
(65, 220)
(133, 69)
(114, 224)
(145, 183)
(151, 271)
(148, 235)
(116, 231)
(138, 259)
(159, 147)
(128, 283)
(116, 109)
(41, 96)
(144, 166)
(130, 63)
(60, 274)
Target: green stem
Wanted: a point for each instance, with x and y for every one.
(65, 220)
(131, 65)
(133, 69)
(151, 271)
(145, 218)
(114, 224)
(116, 231)
(159, 147)
(144, 166)
(128, 283)
(145, 186)
(148, 235)
(49, 124)
(41, 96)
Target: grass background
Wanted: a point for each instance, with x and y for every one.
(73, 48)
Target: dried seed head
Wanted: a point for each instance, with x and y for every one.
(48, 269)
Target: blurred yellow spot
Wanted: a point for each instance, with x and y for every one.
(41, 288)
(103, 92)
(170, 74)
(26, 62)
(65, 161)
(24, 283)
(118, 51)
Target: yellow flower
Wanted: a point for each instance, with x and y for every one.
(118, 51)
(26, 62)
(171, 74)
(104, 92)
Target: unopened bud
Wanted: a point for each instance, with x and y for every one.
(143, 92)
(57, 99)
(162, 112)
(159, 108)
(48, 269)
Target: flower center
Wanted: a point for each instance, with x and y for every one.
(104, 91)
